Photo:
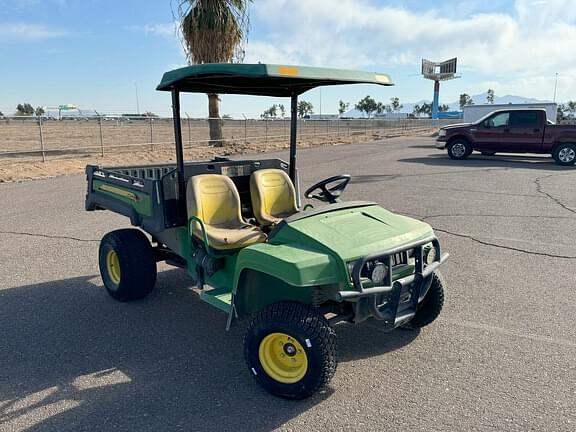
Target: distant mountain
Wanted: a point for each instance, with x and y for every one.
(481, 99)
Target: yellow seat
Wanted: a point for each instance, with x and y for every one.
(213, 199)
(273, 196)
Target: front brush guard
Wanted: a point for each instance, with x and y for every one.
(382, 302)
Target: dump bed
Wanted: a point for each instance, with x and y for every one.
(148, 194)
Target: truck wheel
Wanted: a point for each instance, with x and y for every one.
(127, 264)
(565, 154)
(459, 149)
(290, 349)
(429, 308)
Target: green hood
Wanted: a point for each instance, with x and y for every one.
(356, 232)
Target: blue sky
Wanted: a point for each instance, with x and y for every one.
(95, 53)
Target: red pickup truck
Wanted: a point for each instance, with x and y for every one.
(510, 131)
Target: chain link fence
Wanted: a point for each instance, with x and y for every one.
(41, 138)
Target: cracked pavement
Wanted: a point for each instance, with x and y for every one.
(501, 356)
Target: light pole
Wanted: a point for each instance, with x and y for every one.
(555, 87)
(320, 102)
(137, 101)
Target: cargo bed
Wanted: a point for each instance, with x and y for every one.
(148, 194)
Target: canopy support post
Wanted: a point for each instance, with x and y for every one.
(293, 135)
(293, 171)
(179, 152)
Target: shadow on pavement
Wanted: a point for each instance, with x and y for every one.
(497, 161)
(371, 178)
(422, 146)
(74, 359)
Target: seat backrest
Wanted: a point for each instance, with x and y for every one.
(214, 199)
(273, 195)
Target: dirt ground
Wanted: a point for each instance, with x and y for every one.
(30, 148)
(21, 136)
(21, 170)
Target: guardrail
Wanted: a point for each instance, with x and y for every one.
(42, 137)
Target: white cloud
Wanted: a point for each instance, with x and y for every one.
(266, 52)
(22, 31)
(538, 39)
(18, 4)
(541, 87)
(161, 29)
(27, 4)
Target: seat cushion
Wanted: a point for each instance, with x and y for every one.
(213, 199)
(221, 237)
(273, 196)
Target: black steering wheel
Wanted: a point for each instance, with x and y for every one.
(328, 193)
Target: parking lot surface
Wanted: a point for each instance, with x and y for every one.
(501, 357)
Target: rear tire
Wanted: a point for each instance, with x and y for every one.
(127, 264)
(459, 149)
(431, 306)
(565, 154)
(290, 350)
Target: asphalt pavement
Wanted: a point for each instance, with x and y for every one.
(502, 356)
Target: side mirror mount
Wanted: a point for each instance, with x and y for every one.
(486, 124)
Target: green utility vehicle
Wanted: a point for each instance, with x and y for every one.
(238, 228)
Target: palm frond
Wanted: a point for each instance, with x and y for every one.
(213, 31)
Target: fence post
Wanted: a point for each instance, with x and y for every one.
(266, 140)
(101, 136)
(189, 132)
(222, 122)
(151, 134)
(41, 139)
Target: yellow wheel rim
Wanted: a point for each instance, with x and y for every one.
(283, 358)
(113, 266)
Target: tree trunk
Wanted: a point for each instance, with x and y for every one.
(214, 121)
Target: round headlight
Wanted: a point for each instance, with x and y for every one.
(379, 273)
(431, 255)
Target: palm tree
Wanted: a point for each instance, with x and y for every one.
(214, 31)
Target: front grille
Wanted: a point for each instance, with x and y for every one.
(399, 258)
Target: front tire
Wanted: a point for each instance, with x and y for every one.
(127, 264)
(290, 349)
(429, 308)
(459, 149)
(565, 154)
